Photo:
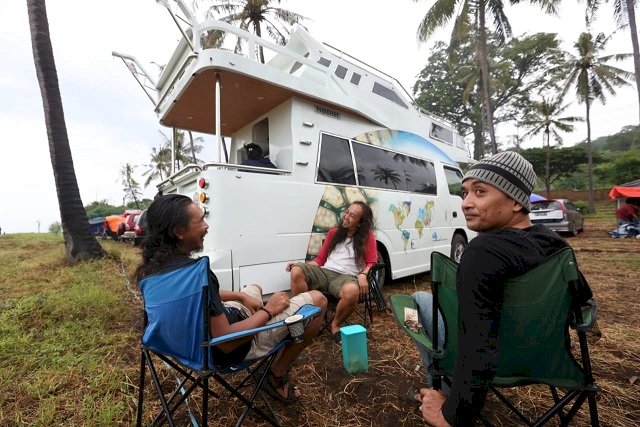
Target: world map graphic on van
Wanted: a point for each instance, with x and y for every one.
(402, 210)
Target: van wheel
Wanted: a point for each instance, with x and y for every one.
(458, 243)
(381, 275)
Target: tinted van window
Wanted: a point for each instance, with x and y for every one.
(335, 164)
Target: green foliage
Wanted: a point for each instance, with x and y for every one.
(55, 228)
(625, 140)
(450, 87)
(102, 208)
(561, 162)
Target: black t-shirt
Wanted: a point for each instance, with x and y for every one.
(216, 308)
(487, 263)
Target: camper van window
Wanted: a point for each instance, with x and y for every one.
(441, 133)
(454, 181)
(341, 71)
(324, 61)
(420, 175)
(380, 168)
(355, 78)
(387, 93)
(335, 164)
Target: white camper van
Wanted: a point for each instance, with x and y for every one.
(336, 130)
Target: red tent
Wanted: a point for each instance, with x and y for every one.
(630, 189)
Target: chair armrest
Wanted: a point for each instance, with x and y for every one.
(589, 314)
(307, 311)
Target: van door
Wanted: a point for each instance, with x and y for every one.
(454, 183)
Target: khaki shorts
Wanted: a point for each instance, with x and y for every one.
(266, 340)
(325, 280)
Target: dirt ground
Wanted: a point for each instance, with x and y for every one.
(332, 397)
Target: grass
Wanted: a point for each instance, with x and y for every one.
(65, 331)
(69, 344)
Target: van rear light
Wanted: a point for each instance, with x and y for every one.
(202, 183)
(203, 197)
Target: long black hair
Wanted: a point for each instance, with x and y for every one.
(163, 216)
(361, 235)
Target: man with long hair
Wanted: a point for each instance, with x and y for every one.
(176, 230)
(342, 265)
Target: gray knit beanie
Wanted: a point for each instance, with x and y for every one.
(509, 172)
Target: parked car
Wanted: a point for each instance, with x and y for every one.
(140, 228)
(559, 215)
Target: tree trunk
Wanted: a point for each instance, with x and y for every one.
(193, 148)
(483, 57)
(79, 242)
(592, 206)
(478, 142)
(546, 164)
(634, 42)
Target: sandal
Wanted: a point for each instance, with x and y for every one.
(272, 383)
(337, 337)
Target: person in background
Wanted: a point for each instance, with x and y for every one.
(630, 211)
(255, 157)
(496, 204)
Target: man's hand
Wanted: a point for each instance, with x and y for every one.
(289, 265)
(278, 303)
(431, 402)
(251, 303)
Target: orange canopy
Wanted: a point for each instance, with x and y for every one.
(624, 192)
(113, 221)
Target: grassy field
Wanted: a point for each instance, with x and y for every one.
(69, 337)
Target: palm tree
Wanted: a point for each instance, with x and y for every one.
(160, 166)
(625, 16)
(80, 244)
(256, 16)
(183, 155)
(130, 186)
(471, 19)
(591, 77)
(546, 118)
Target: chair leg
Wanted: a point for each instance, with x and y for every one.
(141, 390)
(593, 410)
(205, 400)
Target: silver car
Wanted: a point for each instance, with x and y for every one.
(559, 215)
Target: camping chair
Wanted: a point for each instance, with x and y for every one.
(373, 295)
(533, 341)
(176, 331)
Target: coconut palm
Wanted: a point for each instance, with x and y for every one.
(160, 165)
(184, 155)
(592, 79)
(625, 16)
(256, 16)
(80, 244)
(130, 186)
(546, 118)
(471, 19)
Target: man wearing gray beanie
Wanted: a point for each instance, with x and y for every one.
(496, 204)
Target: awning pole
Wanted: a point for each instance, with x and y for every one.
(218, 127)
(173, 150)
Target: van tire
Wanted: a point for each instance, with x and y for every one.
(458, 243)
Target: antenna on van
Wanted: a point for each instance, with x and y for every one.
(190, 18)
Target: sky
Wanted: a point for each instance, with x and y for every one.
(110, 121)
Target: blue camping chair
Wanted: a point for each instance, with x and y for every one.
(176, 331)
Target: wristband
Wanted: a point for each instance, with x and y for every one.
(266, 311)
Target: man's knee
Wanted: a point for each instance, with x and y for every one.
(350, 293)
(319, 299)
